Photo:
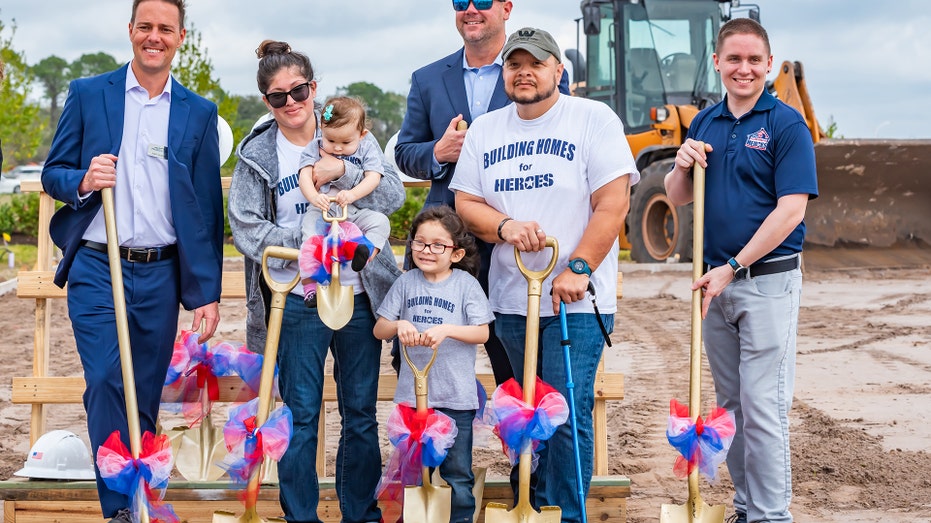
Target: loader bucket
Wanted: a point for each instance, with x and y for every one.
(871, 192)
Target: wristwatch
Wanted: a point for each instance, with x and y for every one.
(580, 266)
(740, 271)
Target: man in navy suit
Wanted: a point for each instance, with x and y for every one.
(460, 87)
(155, 143)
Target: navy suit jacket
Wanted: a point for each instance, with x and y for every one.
(92, 124)
(437, 95)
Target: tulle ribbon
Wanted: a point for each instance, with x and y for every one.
(520, 425)
(249, 444)
(319, 251)
(196, 367)
(126, 475)
(420, 440)
(702, 444)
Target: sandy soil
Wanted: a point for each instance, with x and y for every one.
(861, 448)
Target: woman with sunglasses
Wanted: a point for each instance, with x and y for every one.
(266, 208)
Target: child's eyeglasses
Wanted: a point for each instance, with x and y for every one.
(435, 248)
(299, 93)
(481, 5)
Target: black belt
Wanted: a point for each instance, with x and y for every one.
(137, 254)
(762, 268)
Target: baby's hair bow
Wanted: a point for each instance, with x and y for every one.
(328, 113)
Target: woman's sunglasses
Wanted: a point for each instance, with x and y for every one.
(299, 93)
(481, 5)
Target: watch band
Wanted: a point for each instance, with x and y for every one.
(501, 226)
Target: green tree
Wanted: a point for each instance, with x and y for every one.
(91, 64)
(385, 110)
(20, 127)
(52, 73)
(194, 69)
(251, 108)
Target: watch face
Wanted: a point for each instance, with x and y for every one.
(578, 266)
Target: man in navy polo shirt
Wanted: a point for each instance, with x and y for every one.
(760, 164)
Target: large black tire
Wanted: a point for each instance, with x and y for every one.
(657, 230)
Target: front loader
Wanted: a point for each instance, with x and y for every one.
(651, 62)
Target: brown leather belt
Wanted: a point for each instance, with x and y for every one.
(137, 254)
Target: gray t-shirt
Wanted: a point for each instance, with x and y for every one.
(457, 300)
(368, 157)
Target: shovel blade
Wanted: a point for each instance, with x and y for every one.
(699, 512)
(522, 513)
(250, 516)
(334, 304)
(427, 504)
(198, 451)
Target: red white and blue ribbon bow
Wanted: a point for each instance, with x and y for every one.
(319, 251)
(195, 367)
(149, 473)
(249, 444)
(520, 425)
(420, 440)
(702, 444)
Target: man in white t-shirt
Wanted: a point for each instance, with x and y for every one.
(549, 165)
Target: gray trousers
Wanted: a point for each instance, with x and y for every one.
(750, 339)
(374, 225)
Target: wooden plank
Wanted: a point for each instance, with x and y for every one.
(41, 285)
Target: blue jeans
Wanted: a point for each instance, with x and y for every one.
(456, 469)
(356, 352)
(750, 335)
(556, 483)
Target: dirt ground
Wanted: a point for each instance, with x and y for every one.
(860, 441)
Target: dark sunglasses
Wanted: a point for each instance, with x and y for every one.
(299, 93)
(481, 5)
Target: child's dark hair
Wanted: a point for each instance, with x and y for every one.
(343, 110)
(461, 237)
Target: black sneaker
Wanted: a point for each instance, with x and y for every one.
(123, 516)
(310, 301)
(737, 517)
(360, 257)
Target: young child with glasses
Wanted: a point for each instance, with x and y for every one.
(342, 126)
(440, 306)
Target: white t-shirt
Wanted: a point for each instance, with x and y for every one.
(291, 208)
(546, 170)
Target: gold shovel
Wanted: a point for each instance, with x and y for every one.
(695, 509)
(122, 335)
(334, 301)
(198, 450)
(524, 512)
(427, 503)
(279, 292)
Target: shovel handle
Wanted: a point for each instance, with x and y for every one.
(420, 379)
(534, 290)
(343, 216)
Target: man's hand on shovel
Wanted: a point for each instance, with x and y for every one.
(208, 317)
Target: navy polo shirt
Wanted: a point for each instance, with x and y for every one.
(757, 158)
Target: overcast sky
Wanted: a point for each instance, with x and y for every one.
(866, 63)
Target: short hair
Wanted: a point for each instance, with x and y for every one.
(738, 26)
(177, 3)
(343, 110)
(275, 56)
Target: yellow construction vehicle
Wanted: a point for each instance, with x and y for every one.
(651, 61)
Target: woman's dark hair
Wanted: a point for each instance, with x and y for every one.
(462, 239)
(275, 56)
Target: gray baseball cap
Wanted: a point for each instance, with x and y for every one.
(535, 41)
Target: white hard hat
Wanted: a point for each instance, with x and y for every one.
(58, 454)
(225, 139)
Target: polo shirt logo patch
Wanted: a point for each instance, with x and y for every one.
(758, 140)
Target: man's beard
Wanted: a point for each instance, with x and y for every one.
(530, 99)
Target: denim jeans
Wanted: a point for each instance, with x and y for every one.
(456, 469)
(556, 482)
(750, 336)
(356, 352)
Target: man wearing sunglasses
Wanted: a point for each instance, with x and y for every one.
(458, 88)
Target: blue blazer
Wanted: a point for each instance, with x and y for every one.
(437, 95)
(92, 124)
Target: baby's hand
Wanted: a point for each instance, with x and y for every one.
(322, 202)
(408, 334)
(434, 336)
(345, 197)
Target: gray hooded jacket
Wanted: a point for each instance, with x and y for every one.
(252, 208)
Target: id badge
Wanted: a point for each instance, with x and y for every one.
(158, 151)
